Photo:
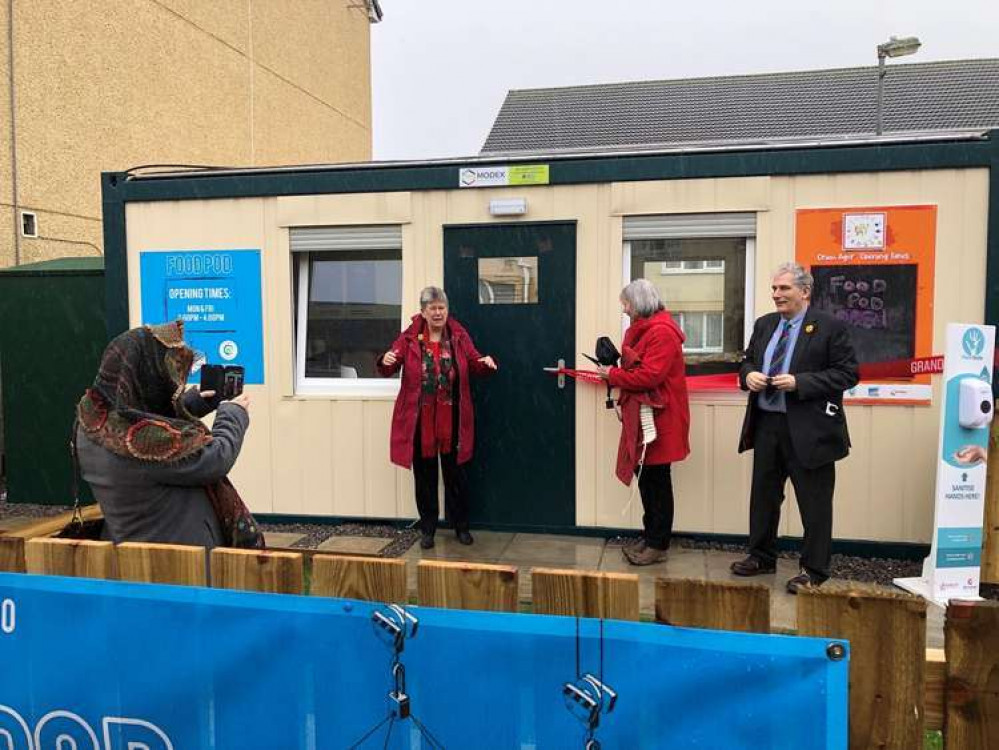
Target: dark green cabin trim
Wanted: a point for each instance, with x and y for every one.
(118, 188)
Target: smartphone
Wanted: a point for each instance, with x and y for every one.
(225, 380)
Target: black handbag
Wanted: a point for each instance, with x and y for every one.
(608, 356)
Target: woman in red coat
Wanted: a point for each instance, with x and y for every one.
(652, 376)
(433, 411)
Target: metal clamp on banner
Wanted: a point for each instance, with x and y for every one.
(587, 699)
(393, 626)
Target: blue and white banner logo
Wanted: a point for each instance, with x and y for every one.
(973, 342)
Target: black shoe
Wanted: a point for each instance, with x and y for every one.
(464, 537)
(427, 541)
(802, 581)
(752, 566)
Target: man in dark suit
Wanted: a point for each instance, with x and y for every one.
(797, 365)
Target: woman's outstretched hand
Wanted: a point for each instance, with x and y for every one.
(389, 358)
(488, 362)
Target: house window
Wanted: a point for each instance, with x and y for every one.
(706, 265)
(700, 263)
(703, 331)
(348, 307)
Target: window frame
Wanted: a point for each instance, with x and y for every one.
(685, 269)
(377, 388)
(749, 316)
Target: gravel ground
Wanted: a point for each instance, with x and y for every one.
(317, 533)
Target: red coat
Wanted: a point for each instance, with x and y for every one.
(652, 372)
(407, 404)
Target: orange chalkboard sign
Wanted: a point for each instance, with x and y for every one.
(873, 269)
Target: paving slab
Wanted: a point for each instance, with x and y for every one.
(282, 539)
(365, 545)
(550, 551)
(488, 547)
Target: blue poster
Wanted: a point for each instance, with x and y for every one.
(217, 294)
(184, 668)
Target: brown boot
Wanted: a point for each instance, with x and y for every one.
(648, 556)
(636, 545)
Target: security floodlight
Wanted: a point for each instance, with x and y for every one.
(894, 47)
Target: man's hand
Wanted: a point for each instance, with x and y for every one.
(783, 382)
(488, 362)
(756, 381)
(604, 371)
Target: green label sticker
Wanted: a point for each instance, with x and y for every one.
(530, 174)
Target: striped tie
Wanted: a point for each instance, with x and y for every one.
(780, 351)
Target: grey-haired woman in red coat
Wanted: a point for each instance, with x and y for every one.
(652, 374)
(433, 419)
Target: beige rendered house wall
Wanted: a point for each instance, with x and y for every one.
(103, 85)
(329, 456)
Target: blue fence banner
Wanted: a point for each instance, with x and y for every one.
(217, 294)
(103, 665)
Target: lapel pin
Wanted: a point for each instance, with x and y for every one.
(810, 328)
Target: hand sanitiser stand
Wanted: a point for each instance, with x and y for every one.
(953, 568)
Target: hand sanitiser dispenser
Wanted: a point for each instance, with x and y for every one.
(975, 410)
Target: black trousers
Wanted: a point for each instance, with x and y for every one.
(774, 462)
(455, 489)
(655, 483)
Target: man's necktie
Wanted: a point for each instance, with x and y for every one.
(780, 351)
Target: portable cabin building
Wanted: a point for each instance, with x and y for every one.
(306, 274)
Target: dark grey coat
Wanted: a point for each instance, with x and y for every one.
(144, 501)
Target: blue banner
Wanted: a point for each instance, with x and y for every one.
(119, 666)
(217, 294)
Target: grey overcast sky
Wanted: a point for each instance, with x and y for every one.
(441, 68)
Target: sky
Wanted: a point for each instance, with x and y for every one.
(441, 68)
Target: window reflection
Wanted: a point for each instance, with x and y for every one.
(702, 281)
(508, 281)
(354, 309)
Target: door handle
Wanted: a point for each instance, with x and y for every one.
(561, 375)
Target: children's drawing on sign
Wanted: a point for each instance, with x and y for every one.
(877, 301)
(862, 301)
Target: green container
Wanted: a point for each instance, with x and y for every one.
(52, 336)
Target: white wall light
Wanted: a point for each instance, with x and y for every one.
(508, 207)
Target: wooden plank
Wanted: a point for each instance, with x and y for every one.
(82, 558)
(257, 570)
(177, 564)
(887, 634)
(370, 578)
(990, 546)
(458, 585)
(11, 554)
(934, 689)
(54, 524)
(580, 593)
(717, 605)
(971, 637)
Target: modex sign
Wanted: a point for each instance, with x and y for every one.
(952, 570)
(502, 176)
